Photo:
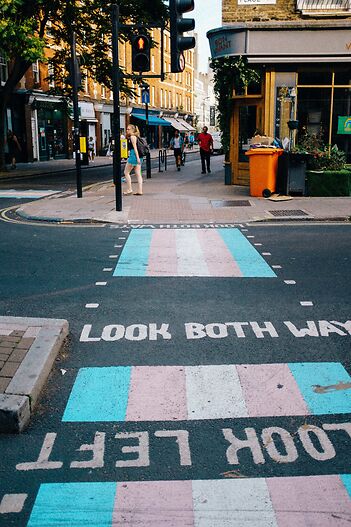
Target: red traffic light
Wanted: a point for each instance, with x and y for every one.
(141, 43)
(141, 47)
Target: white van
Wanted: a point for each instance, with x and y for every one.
(217, 143)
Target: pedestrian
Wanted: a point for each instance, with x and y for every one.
(191, 140)
(205, 141)
(177, 144)
(14, 147)
(91, 150)
(134, 161)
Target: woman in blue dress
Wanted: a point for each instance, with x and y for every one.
(134, 161)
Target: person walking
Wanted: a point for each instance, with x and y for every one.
(191, 141)
(91, 150)
(205, 141)
(14, 147)
(177, 144)
(134, 161)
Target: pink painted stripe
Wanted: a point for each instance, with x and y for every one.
(271, 390)
(163, 254)
(313, 501)
(154, 503)
(218, 258)
(157, 393)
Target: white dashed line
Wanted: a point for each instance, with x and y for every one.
(100, 283)
(106, 269)
(266, 254)
(113, 256)
(120, 238)
(91, 306)
(306, 303)
(276, 266)
(289, 282)
(251, 236)
(258, 244)
(11, 503)
(118, 246)
(244, 230)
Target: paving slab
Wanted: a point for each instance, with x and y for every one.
(32, 345)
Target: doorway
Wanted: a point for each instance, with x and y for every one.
(247, 120)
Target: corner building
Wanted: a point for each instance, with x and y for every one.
(303, 50)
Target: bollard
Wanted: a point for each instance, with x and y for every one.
(161, 160)
(148, 166)
(165, 155)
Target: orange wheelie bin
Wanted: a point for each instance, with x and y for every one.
(263, 170)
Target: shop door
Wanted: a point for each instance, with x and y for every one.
(247, 120)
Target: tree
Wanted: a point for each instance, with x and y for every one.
(23, 38)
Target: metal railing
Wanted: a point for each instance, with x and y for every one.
(324, 5)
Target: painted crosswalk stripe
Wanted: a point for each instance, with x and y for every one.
(191, 252)
(27, 194)
(259, 502)
(169, 393)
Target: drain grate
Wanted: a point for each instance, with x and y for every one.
(238, 203)
(288, 212)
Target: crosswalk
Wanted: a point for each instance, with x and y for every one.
(26, 194)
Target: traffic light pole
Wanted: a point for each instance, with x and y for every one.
(76, 138)
(148, 157)
(116, 109)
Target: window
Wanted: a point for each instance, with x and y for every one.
(51, 73)
(103, 92)
(36, 74)
(161, 98)
(3, 70)
(152, 95)
(152, 63)
(323, 5)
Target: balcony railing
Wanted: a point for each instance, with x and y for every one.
(331, 6)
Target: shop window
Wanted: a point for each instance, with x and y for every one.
(341, 125)
(321, 78)
(313, 112)
(342, 78)
(3, 70)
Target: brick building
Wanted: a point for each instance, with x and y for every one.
(303, 50)
(43, 122)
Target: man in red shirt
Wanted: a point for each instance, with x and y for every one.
(206, 146)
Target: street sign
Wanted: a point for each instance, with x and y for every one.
(145, 95)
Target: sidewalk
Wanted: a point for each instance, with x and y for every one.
(183, 197)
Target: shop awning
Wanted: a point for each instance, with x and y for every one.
(177, 124)
(153, 120)
(188, 126)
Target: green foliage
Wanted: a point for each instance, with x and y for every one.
(230, 73)
(321, 156)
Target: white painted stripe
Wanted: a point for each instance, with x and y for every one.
(91, 306)
(232, 503)
(214, 392)
(11, 503)
(191, 260)
(306, 303)
(118, 246)
(266, 254)
(121, 238)
(113, 256)
(244, 230)
(250, 236)
(258, 244)
(289, 282)
(100, 283)
(108, 269)
(276, 266)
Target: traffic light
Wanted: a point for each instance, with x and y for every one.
(141, 45)
(178, 26)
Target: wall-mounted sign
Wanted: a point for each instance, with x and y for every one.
(344, 125)
(256, 2)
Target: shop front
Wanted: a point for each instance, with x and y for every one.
(155, 125)
(305, 77)
(51, 117)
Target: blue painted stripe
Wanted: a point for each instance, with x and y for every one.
(250, 262)
(99, 394)
(74, 504)
(135, 254)
(325, 374)
(346, 479)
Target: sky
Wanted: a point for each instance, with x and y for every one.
(208, 15)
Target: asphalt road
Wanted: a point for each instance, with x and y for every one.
(205, 326)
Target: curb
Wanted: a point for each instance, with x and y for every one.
(21, 395)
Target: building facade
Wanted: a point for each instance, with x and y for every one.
(302, 49)
(43, 122)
